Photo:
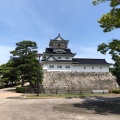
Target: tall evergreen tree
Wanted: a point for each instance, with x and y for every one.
(25, 60)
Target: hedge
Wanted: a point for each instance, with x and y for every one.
(20, 89)
(1, 87)
(117, 91)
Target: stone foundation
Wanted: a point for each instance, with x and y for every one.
(79, 81)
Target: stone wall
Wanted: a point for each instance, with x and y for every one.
(79, 80)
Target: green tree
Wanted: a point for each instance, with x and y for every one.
(13, 73)
(3, 72)
(8, 73)
(114, 49)
(25, 60)
(109, 22)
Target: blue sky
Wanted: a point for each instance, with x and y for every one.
(42, 20)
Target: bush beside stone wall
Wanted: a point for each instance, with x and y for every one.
(78, 81)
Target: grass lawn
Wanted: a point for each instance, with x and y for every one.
(42, 96)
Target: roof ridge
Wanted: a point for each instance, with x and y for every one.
(58, 37)
(90, 58)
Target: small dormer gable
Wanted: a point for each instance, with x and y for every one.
(59, 38)
(58, 42)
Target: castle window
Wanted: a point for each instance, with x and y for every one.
(67, 57)
(63, 45)
(59, 66)
(59, 45)
(67, 66)
(51, 66)
(54, 44)
(59, 57)
(44, 57)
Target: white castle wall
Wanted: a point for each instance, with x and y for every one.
(78, 68)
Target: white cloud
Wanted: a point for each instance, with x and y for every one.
(5, 53)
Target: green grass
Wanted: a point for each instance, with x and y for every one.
(65, 95)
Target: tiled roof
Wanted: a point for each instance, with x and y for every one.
(58, 38)
(89, 61)
(50, 51)
(82, 61)
(58, 60)
(48, 58)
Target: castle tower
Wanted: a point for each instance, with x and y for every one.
(57, 57)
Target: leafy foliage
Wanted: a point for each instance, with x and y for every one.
(8, 73)
(20, 89)
(112, 2)
(4, 71)
(109, 22)
(114, 49)
(117, 91)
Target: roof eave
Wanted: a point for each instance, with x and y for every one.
(53, 41)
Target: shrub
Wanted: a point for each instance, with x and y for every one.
(1, 87)
(20, 89)
(117, 91)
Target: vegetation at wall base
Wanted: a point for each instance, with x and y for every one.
(57, 95)
(1, 87)
(20, 89)
(66, 96)
(117, 91)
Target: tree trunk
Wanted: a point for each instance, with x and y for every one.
(23, 81)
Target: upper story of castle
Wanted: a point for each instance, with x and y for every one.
(58, 43)
(58, 47)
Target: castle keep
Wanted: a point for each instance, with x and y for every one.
(58, 57)
(62, 71)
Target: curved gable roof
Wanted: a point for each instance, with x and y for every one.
(50, 51)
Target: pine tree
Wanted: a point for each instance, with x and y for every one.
(25, 60)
